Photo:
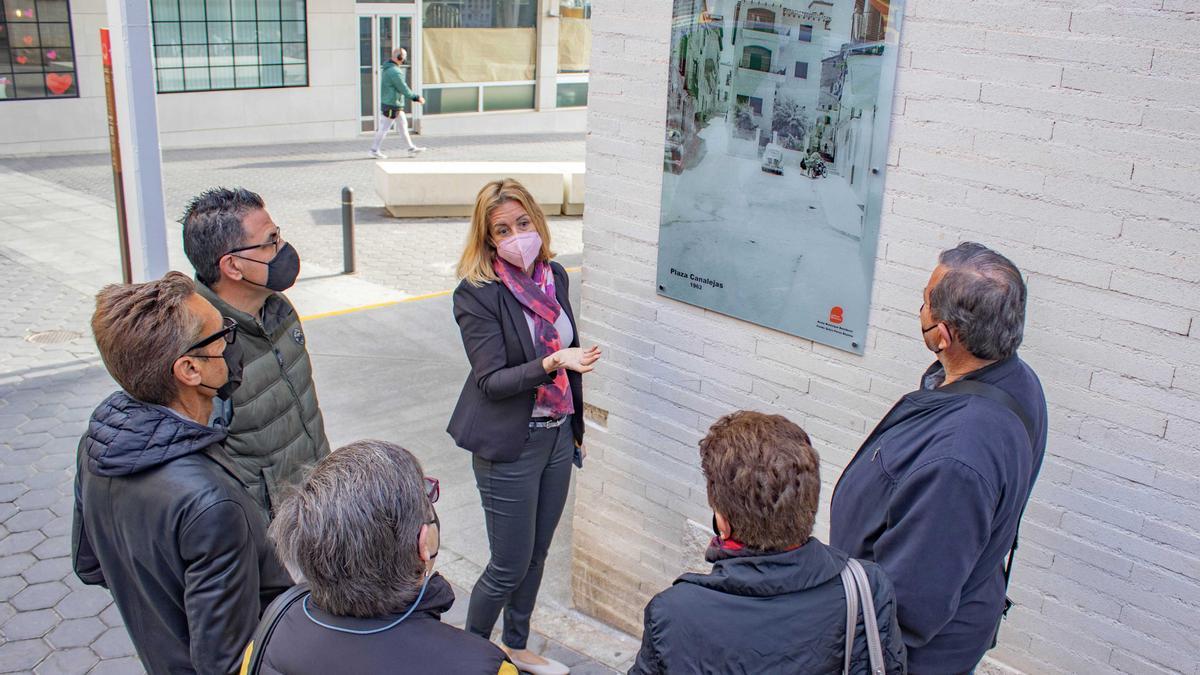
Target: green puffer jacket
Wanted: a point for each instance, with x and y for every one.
(278, 433)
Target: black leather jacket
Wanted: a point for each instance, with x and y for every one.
(173, 535)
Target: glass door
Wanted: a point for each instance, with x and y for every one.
(380, 30)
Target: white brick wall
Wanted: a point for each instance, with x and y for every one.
(1065, 133)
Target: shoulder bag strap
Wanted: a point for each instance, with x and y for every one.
(989, 391)
(870, 624)
(266, 625)
(850, 588)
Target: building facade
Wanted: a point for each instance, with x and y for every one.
(778, 52)
(1065, 135)
(255, 71)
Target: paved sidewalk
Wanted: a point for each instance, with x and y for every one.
(73, 235)
(302, 185)
(390, 373)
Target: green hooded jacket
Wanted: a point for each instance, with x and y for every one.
(392, 87)
(277, 433)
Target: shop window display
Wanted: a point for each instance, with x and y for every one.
(37, 50)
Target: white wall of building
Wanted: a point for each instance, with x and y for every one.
(324, 110)
(555, 121)
(1066, 135)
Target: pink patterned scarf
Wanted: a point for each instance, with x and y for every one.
(537, 296)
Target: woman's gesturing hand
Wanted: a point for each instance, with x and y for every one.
(574, 358)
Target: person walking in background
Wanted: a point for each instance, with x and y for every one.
(160, 518)
(393, 92)
(363, 531)
(520, 410)
(936, 492)
(775, 600)
(243, 263)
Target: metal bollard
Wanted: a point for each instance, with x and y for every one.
(348, 230)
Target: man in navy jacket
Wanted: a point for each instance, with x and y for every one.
(936, 492)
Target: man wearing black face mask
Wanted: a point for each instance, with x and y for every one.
(160, 518)
(936, 492)
(244, 265)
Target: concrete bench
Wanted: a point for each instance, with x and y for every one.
(414, 189)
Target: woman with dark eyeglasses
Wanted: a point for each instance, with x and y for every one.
(363, 532)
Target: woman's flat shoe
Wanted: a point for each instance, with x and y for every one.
(550, 667)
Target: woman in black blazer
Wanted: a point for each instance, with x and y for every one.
(521, 409)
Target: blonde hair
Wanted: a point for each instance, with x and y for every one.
(475, 265)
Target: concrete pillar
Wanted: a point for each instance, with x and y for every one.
(137, 115)
(547, 55)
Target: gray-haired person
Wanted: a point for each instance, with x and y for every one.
(363, 531)
(936, 492)
(244, 265)
(160, 518)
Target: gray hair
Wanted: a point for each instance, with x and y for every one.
(351, 528)
(142, 329)
(982, 297)
(212, 227)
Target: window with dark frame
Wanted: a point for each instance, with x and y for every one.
(802, 70)
(755, 57)
(211, 45)
(805, 33)
(760, 19)
(37, 50)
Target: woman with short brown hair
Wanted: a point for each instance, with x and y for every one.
(520, 410)
(775, 600)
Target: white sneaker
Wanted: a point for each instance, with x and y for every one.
(378, 155)
(416, 150)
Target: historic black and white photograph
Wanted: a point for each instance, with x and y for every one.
(776, 135)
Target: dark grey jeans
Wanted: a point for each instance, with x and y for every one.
(522, 502)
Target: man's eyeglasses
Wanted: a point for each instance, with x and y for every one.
(433, 489)
(228, 332)
(274, 243)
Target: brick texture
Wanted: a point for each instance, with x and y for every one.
(1065, 134)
